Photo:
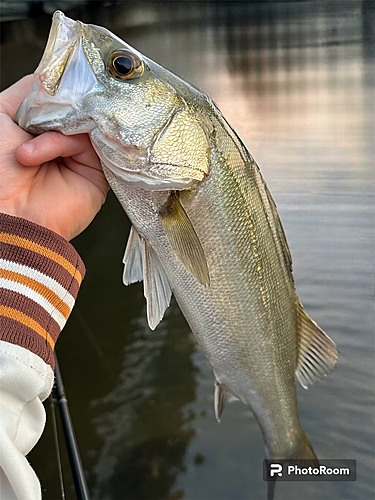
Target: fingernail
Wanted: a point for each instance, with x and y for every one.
(29, 146)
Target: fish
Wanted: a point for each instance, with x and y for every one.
(205, 227)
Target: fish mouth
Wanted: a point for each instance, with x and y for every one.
(62, 80)
(62, 42)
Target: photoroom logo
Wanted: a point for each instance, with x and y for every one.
(306, 470)
(276, 469)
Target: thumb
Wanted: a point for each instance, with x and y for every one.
(11, 98)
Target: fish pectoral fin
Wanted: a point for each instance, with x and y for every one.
(156, 287)
(317, 354)
(222, 396)
(133, 268)
(183, 239)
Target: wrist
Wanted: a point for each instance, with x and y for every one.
(40, 275)
(40, 218)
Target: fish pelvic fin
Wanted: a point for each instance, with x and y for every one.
(156, 287)
(142, 263)
(317, 354)
(183, 239)
(222, 396)
(303, 451)
(133, 269)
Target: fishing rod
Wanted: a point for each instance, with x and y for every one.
(70, 439)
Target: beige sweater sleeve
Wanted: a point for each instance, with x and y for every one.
(40, 275)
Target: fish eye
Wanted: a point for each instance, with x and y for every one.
(124, 65)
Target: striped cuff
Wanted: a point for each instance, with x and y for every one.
(40, 275)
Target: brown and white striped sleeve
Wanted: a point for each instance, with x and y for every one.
(40, 275)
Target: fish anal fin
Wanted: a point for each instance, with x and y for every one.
(183, 239)
(157, 290)
(133, 269)
(317, 354)
(222, 396)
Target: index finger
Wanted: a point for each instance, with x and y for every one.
(11, 98)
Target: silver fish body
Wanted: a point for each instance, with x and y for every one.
(205, 226)
(246, 319)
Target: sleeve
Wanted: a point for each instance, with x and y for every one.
(40, 275)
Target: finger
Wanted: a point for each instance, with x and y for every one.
(11, 98)
(51, 145)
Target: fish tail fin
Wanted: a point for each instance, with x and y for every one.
(303, 451)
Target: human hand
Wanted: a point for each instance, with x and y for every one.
(53, 180)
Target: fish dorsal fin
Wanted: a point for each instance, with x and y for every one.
(132, 260)
(317, 354)
(183, 239)
(280, 231)
(156, 286)
(222, 396)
